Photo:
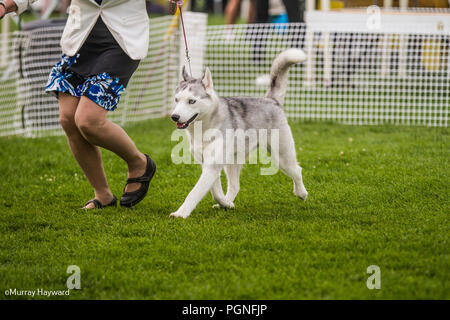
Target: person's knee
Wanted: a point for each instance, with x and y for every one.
(88, 125)
(67, 108)
(67, 121)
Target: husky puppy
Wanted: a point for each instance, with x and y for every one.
(196, 100)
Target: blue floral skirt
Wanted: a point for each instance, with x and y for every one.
(102, 89)
(100, 71)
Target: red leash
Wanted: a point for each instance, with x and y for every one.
(173, 4)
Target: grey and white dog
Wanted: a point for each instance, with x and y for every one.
(196, 100)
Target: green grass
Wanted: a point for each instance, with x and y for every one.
(383, 201)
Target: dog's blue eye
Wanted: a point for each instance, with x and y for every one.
(192, 101)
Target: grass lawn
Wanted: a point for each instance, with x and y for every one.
(377, 196)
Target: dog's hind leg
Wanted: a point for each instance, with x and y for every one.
(233, 172)
(218, 195)
(210, 174)
(286, 159)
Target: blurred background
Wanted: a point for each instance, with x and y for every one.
(369, 112)
(245, 10)
(368, 62)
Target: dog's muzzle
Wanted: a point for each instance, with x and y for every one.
(184, 125)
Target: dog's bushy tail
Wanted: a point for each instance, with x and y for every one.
(279, 72)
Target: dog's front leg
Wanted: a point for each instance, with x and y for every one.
(209, 175)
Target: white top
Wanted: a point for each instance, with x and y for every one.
(127, 20)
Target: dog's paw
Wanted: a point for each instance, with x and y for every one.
(303, 196)
(230, 205)
(301, 192)
(225, 205)
(179, 215)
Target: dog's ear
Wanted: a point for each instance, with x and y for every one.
(207, 79)
(184, 75)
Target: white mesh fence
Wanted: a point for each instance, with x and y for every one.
(28, 57)
(356, 77)
(9, 113)
(352, 77)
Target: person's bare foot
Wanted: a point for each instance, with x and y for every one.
(136, 170)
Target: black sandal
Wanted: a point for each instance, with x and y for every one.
(99, 205)
(130, 199)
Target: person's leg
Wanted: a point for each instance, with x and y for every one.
(95, 128)
(259, 34)
(63, 8)
(262, 11)
(293, 10)
(194, 5)
(252, 12)
(45, 5)
(209, 6)
(232, 11)
(224, 4)
(88, 156)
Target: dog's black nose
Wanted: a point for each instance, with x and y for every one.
(175, 117)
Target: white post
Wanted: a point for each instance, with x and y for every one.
(245, 8)
(187, 5)
(326, 48)
(195, 24)
(386, 55)
(311, 5)
(402, 56)
(4, 42)
(309, 41)
(448, 59)
(403, 5)
(325, 4)
(326, 59)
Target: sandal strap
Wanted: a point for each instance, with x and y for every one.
(96, 203)
(99, 205)
(139, 179)
(113, 202)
